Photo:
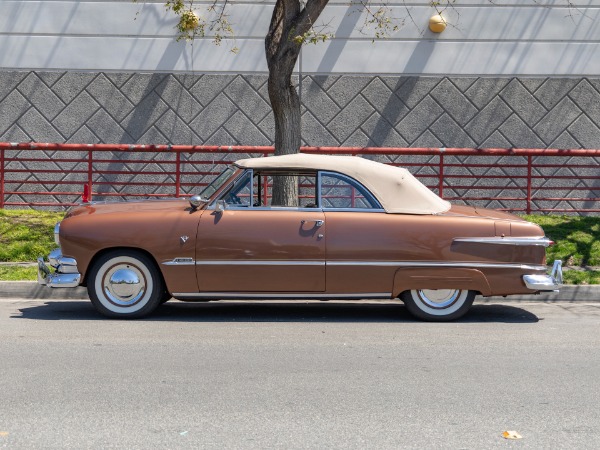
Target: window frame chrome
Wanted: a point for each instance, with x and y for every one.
(212, 205)
(318, 195)
(351, 181)
(222, 172)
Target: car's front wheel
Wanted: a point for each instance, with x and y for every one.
(438, 305)
(125, 284)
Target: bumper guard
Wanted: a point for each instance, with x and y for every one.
(65, 275)
(548, 282)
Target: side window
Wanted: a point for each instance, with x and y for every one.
(341, 192)
(289, 190)
(273, 189)
(240, 195)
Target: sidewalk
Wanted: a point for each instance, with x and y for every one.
(32, 290)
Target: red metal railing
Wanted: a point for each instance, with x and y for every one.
(520, 180)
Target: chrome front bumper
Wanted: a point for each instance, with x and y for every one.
(548, 282)
(65, 273)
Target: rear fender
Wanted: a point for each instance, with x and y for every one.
(440, 278)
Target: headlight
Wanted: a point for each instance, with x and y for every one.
(56, 232)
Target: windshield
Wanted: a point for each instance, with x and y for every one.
(217, 183)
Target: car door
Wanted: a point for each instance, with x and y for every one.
(361, 237)
(248, 246)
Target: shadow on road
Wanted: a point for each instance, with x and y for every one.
(276, 312)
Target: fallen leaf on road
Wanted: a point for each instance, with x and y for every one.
(3, 433)
(511, 435)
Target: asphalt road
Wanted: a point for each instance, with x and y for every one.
(299, 375)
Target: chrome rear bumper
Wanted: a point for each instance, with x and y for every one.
(548, 282)
(65, 275)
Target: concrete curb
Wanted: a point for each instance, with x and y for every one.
(32, 290)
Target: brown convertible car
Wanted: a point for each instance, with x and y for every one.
(299, 227)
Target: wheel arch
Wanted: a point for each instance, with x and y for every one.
(406, 279)
(104, 251)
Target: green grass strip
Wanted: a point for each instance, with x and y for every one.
(577, 239)
(26, 234)
(18, 273)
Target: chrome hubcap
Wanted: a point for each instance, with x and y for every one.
(124, 285)
(438, 298)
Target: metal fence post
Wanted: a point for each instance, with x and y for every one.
(265, 200)
(2, 174)
(89, 180)
(441, 174)
(178, 174)
(529, 161)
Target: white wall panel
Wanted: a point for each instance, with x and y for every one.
(460, 58)
(481, 23)
(142, 54)
(252, 20)
(109, 18)
(504, 37)
(85, 18)
(553, 3)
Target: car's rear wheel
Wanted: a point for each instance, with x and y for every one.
(125, 284)
(438, 305)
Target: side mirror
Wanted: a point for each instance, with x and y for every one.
(220, 206)
(196, 201)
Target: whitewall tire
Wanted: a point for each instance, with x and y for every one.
(125, 284)
(438, 304)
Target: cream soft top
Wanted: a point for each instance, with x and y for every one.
(396, 188)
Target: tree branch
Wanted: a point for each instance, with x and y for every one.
(309, 15)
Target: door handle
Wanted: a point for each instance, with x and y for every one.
(318, 222)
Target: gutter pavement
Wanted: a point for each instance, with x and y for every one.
(32, 290)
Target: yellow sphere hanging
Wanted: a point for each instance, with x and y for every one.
(437, 23)
(189, 21)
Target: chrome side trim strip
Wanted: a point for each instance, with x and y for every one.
(185, 261)
(260, 263)
(544, 241)
(438, 264)
(273, 208)
(270, 295)
(360, 210)
(180, 262)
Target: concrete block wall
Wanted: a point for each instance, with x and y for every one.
(338, 110)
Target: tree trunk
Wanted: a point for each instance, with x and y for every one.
(286, 109)
(281, 59)
(289, 20)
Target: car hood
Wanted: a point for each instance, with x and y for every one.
(471, 211)
(127, 207)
